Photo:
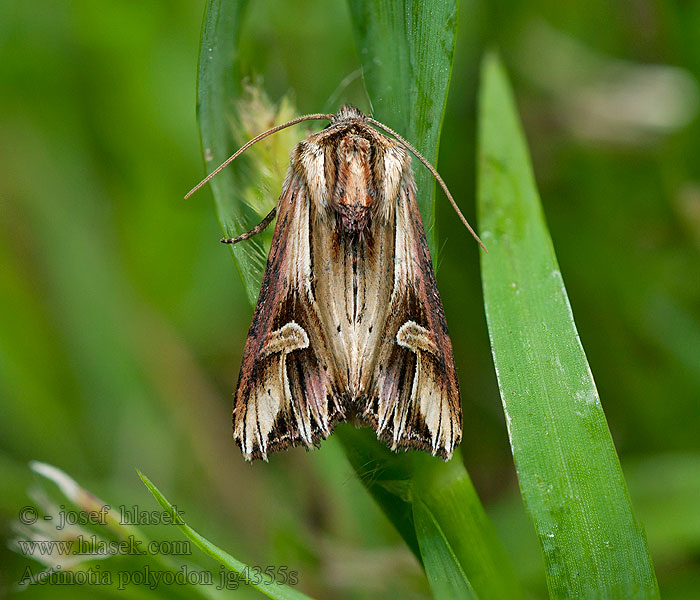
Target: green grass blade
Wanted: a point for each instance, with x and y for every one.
(401, 482)
(278, 591)
(221, 135)
(568, 470)
(445, 574)
(406, 49)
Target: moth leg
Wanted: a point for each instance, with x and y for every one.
(255, 231)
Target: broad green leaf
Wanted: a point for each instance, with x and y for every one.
(278, 591)
(406, 50)
(569, 473)
(445, 574)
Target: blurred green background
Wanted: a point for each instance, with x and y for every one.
(122, 318)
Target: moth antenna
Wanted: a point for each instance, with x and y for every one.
(432, 169)
(257, 138)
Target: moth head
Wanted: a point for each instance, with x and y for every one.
(346, 112)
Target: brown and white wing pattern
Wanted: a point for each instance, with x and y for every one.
(414, 400)
(284, 394)
(349, 321)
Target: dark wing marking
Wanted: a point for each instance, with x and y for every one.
(414, 401)
(284, 394)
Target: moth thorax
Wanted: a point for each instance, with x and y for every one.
(354, 194)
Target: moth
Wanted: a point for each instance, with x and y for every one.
(349, 324)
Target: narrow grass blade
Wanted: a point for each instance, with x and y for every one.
(568, 470)
(401, 482)
(240, 191)
(278, 591)
(445, 574)
(406, 49)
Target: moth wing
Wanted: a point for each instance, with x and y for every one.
(415, 402)
(284, 395)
